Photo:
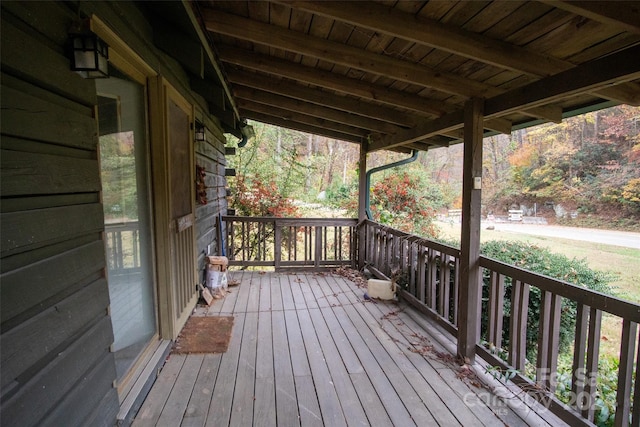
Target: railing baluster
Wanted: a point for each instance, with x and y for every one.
(518, 328)
(293, 242)
(433, 278)
(593, 353)
(548, 338)
(579, 350)
(422, 273)
(277, 241)
(245, 242)
(456, 290)
(445, 286)
(230, 237)
(118, 252)
(260, 237)
(625, 372)
(377, 236)
(404, 253)
(496, 309)
(382, 249)
(318, 256)
(136, 245)
(413, 265)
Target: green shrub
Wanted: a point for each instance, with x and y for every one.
(542, 261)
(606, 388)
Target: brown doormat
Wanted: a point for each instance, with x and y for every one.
(204, 335)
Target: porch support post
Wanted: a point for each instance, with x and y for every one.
(470, 277)
(362, 195)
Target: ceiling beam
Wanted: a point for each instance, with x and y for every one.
(500, 125)
(323, 98)
(338, 53)
(618, 67)
(302, 127)
(445, 124)
(623, 14)
(325, 113)
(326, 79)
(351, 106)
(367, 91)
(429, 32)
(301, 117)
(349, 56)
(458, 41)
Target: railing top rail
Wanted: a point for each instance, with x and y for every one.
(247, 218)
(588, 297)
(412, 238)
(122, 226)
(285, 221)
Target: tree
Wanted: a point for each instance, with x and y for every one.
(408, 202)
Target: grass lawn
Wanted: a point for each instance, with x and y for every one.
(624, 262)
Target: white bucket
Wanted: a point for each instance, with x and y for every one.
(383, 289)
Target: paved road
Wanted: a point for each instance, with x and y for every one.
(608, 237)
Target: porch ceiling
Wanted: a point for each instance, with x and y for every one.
(397, 74)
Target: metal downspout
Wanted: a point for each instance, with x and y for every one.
(243, 141)
(367, 202)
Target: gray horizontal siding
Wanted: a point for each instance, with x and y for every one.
(55, 360)
(56, 364)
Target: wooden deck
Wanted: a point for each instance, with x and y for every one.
(307, 349)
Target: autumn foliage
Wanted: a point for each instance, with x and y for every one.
(255, 197)
(590, 163)
(400, 200)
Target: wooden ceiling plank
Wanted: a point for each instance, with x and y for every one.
(450, 38)
(325, 113)
(349, 56)
(326, 79)
(616, 68)
(621, 66)
(315, 96)
(345, 85)
(623, 14)
(301, 117)
(302, 127)
(435, 34)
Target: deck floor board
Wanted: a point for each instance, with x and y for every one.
(200, 399)
(309, 350)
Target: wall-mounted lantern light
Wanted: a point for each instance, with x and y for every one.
(201, 132)
(247, 131)
(90, 54)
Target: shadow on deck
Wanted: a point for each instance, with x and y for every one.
(307, 349)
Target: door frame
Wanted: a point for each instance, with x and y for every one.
(130, 63)
(160, 94)
(159, 91)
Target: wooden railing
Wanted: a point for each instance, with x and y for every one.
(428, 273)
(426, 270)
(290, 243)
(123, 247)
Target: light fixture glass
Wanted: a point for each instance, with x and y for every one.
(201, 132)
(247, 131)
(90, 56)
